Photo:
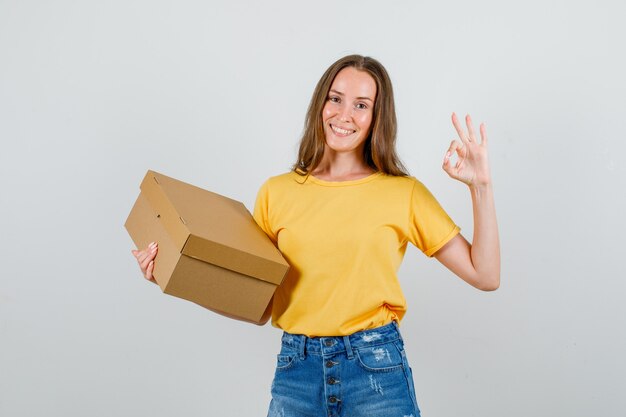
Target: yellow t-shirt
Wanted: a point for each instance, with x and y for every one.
(345, 242)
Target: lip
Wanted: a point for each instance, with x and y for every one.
(335, 132)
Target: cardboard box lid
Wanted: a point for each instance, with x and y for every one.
(213, 228)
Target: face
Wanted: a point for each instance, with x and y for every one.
(349, 110)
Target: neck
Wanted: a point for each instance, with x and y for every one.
(338, 165)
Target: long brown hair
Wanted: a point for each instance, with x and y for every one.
(379, 151)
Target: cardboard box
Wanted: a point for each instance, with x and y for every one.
(211, 251)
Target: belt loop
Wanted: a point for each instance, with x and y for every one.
(302, 347)
(397, 326)
(346, 343)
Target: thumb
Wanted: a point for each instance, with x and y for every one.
(448, 168)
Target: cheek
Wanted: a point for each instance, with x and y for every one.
(365, 121)
(326, 112)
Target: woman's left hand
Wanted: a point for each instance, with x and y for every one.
(472, 166)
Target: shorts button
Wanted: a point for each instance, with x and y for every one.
(332, 399)
(329, 342)
(332, 381)
(329, 364)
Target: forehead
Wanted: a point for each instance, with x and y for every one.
(355, 83)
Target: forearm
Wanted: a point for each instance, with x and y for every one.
(485, 249)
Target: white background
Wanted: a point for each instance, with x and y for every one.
(92, 94)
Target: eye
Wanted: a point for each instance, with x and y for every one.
(361, 106)
(333, 99)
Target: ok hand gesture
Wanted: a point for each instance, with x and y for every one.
(472, 166)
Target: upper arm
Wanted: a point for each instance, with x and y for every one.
(429, 226)
(261, 211)
(456, 256)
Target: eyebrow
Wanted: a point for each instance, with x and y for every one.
(358, 98)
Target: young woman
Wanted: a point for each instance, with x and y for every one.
(343, 218)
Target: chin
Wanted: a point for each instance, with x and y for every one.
(339, 144)
(342, 149)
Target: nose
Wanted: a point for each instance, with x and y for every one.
(345, 113)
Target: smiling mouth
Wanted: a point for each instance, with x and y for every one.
(341, 132)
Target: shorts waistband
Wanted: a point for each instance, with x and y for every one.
(328, 345)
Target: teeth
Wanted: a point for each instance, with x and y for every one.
(342, 131)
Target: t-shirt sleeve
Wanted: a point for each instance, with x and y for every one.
(430, 227)
(261, 211)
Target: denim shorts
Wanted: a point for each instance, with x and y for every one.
(365, 374)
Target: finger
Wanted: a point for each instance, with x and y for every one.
(470, 128)
(139, 253)
(145, 257)
(149, 270)
(144, 265)
(459, 128)
(142, 255)
(455, 146)
(147, 252)
(483, 134)
(448, 168)
(150, 255)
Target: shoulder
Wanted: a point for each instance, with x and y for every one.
(281, 181)
(285, 178)
(406, 183)
(407, 187)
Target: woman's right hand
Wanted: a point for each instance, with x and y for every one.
(145, 259)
